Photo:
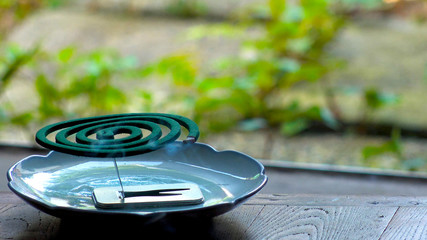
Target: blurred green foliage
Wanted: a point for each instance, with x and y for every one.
(68, 84)
(376, 99)
(283, 47)
(12, 60)
(88, 83)
(393, 147)
(13, 11)
(289, 50)
(360, 4)
(187, 8)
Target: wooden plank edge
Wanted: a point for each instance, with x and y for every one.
(337, 200)
(7, 197)
(343, 170)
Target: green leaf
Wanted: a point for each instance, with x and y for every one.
(350, 90)
(146, 95)
(49, 98)
(311, 72)
(393, 146)
(300, 45)
(93, 69)
(206, 104)
(214, 30)
(114, 98)
(45, 88)
(396, 143)
(292, 128)
(147, 100)
(16, 58)
(245, 83)
(64, 55)
(312, 113)
(126, 63)
(388, 98)
(376, 99)
(13, 51)
(277, 7)
(372, 151)
(414, 164)
(22, 119)
(293, 13)
(3, 115)
(289, 65)
(55, 3)
(252, 124)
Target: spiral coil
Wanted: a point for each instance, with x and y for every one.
(105, 128)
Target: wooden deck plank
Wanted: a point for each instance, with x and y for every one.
(302, 200)
(336, 200)
(262, 217)
(21, 221)
(408, 223)
(329, 222)
(235, 224)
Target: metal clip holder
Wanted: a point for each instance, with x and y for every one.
(154, 195)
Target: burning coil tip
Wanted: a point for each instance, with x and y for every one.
(190, 139)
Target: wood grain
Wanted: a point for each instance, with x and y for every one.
(235, 224)
(407, 223)
(9, 198)
(21, 221)
(262, 217)
(299, 222)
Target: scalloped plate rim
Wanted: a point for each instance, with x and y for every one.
(60, 211)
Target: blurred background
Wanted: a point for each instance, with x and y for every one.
(337, 82)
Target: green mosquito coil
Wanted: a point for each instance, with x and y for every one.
(76, 136)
